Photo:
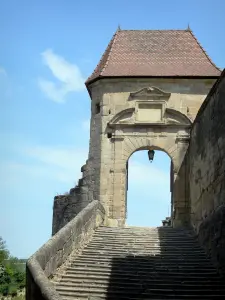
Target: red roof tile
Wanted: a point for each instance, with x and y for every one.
(156, 53)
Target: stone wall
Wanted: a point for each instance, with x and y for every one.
(67, 206)
(206, 176)
(70, 239)
(180, 204)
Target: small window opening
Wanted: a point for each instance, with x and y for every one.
(97, 108)
(109, 135)
(109, 111)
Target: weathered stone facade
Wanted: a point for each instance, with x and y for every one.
(71, 239)
(205, 165)
(67, 206)
(128, 115)
(145, 94)
(134, 114)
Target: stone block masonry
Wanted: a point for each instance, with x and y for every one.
(139, 114)
(69, 240)
(205, 176)
(67, 206)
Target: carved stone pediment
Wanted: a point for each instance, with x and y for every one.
(150, 93)
(173, 116)
(124, 116)
(147, 114)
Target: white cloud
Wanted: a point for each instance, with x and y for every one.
(64, 162)
(59, 164)
(68, 76)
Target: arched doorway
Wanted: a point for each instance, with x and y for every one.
(148, 197)
(146, 120)
(123, 147)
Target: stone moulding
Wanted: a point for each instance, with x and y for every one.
(150, 93)
(124, 114)
(43, 264)
(183, 119)
(170, 117)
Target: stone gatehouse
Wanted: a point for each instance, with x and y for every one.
(145, 94)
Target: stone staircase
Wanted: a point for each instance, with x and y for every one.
(140, 263)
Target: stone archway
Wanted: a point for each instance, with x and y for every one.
(147, 125)
(123, 148)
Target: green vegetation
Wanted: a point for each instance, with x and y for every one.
(12, 273)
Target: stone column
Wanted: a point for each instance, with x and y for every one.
(118, 215)
(180, 193)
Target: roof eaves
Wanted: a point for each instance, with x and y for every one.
(155, 76)
(110, 52)
(203, 50)
(97, 72)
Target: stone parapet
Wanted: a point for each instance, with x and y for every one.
(71, 238)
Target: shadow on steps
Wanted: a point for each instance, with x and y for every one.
(174, 267)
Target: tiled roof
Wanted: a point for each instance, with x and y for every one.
(156, 53)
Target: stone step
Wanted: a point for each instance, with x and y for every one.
(121, 231)
(204, 278)
(93, 290)
(159, 240)
(148, 281)
(156, 243)
(141, 263)
(135, 278)
(139, 247)
(140, 252)
(144, 236)
(140, 287)
(109, 296)
(144, 242)
(145, 232)
(143, 229)
(141, 272)
(142, 267)
(184, 242)
(120, 261)
(145, 259)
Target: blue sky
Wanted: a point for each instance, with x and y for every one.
(48, 48)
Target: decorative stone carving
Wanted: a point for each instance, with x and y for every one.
(173, 116)
(123, 116)
(150, 93)
(150, 113)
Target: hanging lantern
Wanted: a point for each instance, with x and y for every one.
(151, 154)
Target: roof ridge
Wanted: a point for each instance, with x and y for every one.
(204, 51)
(112, 42)
(154, 30)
